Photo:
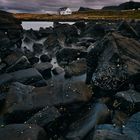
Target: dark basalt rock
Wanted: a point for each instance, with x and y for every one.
(45, 32)
(68, 32)
(33, 60)
(96, 115)
(132, 127)
(94, 30)
(81, 25)
(23, 101)
(129, 101)
(52, 44)
(127, 30)
(113, 62)
(22, 132)
(57, 70)
(44, 69)
(45, 58)
(27, 76)
(45, 117)
(76, 68)
(68, 54)
(37, 48)
(109, 132)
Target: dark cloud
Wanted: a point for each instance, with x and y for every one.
(53, 5)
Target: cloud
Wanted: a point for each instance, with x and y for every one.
(53, 5)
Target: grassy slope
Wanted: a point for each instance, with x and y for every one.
(92, 15)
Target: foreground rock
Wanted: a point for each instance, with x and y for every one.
(113, 62)
(27, 76)
(109, 132)
(44, 117)
(22, 132)
(129, 101)
(96, 115)
(132, 127)
(23, 101)
(76, 68)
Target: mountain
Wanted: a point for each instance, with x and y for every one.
(83, 9)
(124, 6)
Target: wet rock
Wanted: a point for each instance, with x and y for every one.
(2, 100)
(108, 132)
(5, 79)
(95, 30)
(132, 127)
(52, 44)
(127, 30)
(27, 40)
(119, 118)
(20, 64)
(68, 54)
(96, 115)
(44, 68)
(113, 61)
(69, 33)
(34, 35)
(44, 117)
(12, 28)
(38, 48)
(129, 101)
(76, 68)
(57, 70)
(33, 60)
(45, 58)
(80, 25)
(23, 101)
(2, 67)
(45, 32)
(27, 76)
(22, 132)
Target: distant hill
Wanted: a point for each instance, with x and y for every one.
(124, 6)
(83, 9)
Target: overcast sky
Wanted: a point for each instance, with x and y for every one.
(53, 5)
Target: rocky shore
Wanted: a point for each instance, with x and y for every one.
(70, 82)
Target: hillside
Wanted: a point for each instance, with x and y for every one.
(124, 6)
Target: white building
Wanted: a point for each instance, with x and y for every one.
(64, 11)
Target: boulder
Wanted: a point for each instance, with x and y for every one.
(57, 70)
(94, 30)
(44, 68)
(45, 32)
(76, 68)
(45, 58)
(23, 101)
(96, 115)
(132, 127)
(52, 44)
(129, 101)
(69, 54)
(22, 132)
(44, 117)
(127, 30)
(33, 60)
(109, 132)
(37, 48)
(113, 62)
(27, 76)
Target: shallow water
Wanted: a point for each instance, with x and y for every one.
(36, 25)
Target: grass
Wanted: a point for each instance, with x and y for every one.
(76, 16)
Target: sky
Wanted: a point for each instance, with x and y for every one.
(41, 6)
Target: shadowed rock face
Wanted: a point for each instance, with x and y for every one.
(22, 132)
(10, 33)
(113, 61)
